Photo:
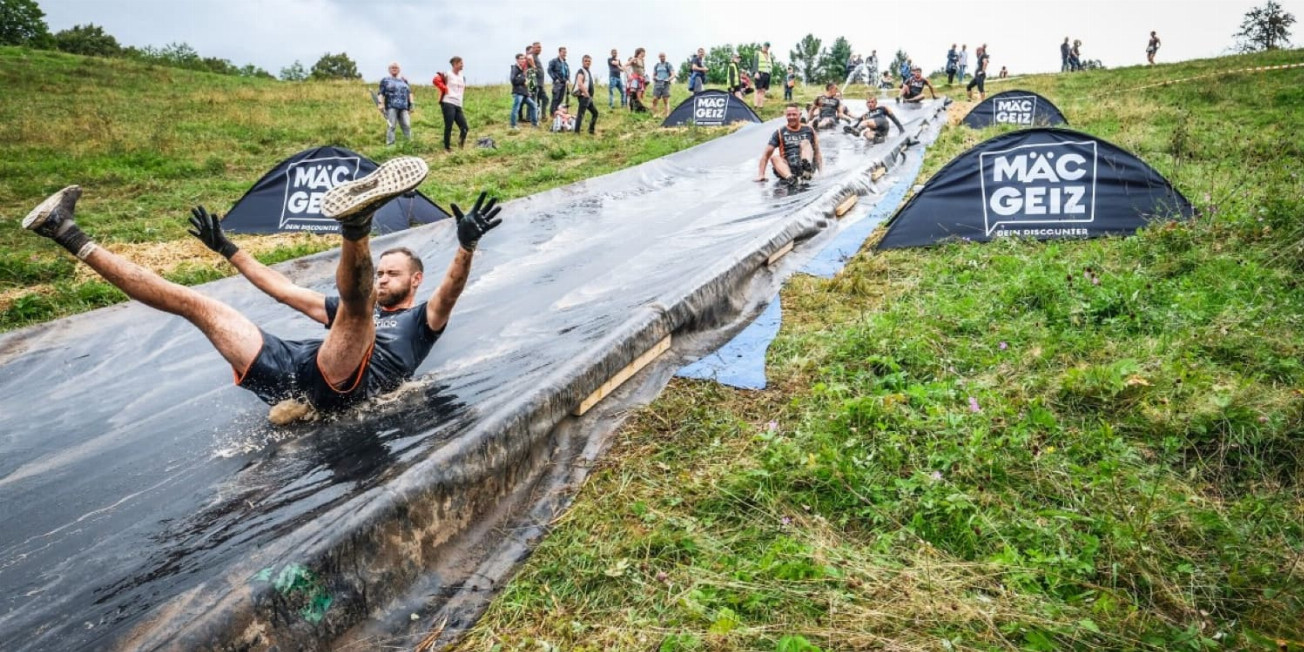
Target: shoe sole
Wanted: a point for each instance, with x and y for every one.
(37, 217)
(394, 177)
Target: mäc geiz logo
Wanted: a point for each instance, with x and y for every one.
(1039, 190)
(1015, 110)
(306, 183)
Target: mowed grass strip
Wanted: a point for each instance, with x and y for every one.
(148, 142)
(1018, 445)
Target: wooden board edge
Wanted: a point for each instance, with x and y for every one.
(782, 251)
(623, 375)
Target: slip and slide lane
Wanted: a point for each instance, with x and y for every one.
(148, 504)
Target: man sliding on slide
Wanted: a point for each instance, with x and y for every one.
(798, 155)
(377, 335)
(873, 125)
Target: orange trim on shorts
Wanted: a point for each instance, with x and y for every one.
(357, 379)
(240, 375)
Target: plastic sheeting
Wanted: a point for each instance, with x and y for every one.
(148, 504)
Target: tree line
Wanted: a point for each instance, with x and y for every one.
(22, 22)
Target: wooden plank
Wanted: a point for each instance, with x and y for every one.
(622, 376)
(846, 205)
(783, 251)
(877, 173)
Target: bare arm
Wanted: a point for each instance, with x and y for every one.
(765, 159)
(441, 303)
(819, 156)
(277, 286)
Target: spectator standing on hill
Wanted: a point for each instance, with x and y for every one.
(732, 77)
(540, 83)
(1065, 50)
(452, 86)
(1151, 48)
(871, 68)
(584, 91)
(1003, 74)
(559, 71)
(979, 74)
(905, 68)
(529, 81)
(964, 62)
(1075, 56)
(395, 102)
(789, 83)
(952, 64)
(663, 73)
(637, 80)
(764, 70)
(615, 74)
(521, 91)
(697, 72)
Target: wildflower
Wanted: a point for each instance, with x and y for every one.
(973, 405)
(785, 521)
(772, 426)
(661, 576)
(1095, 280)
(937, 476)
(1002, 346)
(1263, 419)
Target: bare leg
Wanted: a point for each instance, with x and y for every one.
(353, 332)
(781, 166)
(234, 336)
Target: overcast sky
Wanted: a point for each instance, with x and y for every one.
(421, 35)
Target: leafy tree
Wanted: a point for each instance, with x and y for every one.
(23, 23)
(294, 72)
(833, 61)
(717, 63)
(806, 56)
(219, 66)
(1265, 28)
(90, 40)
(335, 66)
(250, 70)
(898, 60)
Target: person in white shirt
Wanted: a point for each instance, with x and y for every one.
(451, 104)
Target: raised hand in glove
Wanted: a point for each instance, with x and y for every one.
(208, 228)
(471, 226)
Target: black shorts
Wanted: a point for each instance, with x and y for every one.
(288, 369)
(763, 81)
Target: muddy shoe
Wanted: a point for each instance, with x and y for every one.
(54, 216)
(353, 202)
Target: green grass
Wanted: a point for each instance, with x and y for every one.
(147, 142)
(1014, 445)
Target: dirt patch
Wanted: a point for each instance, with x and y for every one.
(957, 111)
(167, 257)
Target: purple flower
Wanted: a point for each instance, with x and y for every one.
(661, 576)
(1003, 346)
(973, 405)
(1095, 280)
(785, 521)
(937, 476)
(772, 426)
(1263, 419)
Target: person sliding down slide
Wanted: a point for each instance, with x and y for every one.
(873, 125)
(377, 335)
(912, 89)
(798, 155)
(831, 109)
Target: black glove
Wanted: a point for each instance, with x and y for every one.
(473, 225)
(208, 228)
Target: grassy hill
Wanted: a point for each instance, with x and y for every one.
(148, 142)
(1016, 445)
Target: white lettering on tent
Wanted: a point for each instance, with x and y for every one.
(1038, 184)
(709, 110)
(1017, 110)
(307, 182)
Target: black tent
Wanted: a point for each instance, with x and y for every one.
(1014, 107)
(1041, 183)
(711, 108)
(288, 198)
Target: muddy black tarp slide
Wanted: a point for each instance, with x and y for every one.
(147, 504)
